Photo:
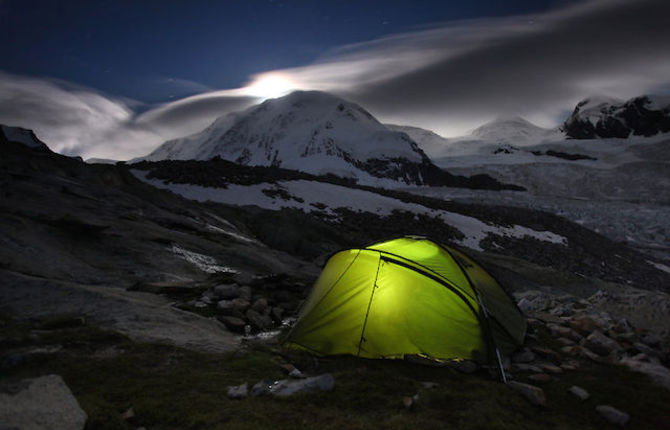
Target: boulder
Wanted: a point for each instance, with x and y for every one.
(276, 313)
(523, 367)
(601, 344)
(546, 353)
(227, 291)
(584, 325)
(225, 305)
(613, 415)
(533, 394)
(240, 304)
(238, 391)
(523, 356)
(40, 403)
(258, 321)
(658, 373)
(541, 378)
(245, 293)
(561, 331)
(285, 387)
(551, 368)
(565, 341)
(623, 326)
(233, 323)
(579, 392)
(260, 305)
(651, 340)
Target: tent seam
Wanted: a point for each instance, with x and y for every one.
(372, 294)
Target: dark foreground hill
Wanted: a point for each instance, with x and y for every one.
(127, 291)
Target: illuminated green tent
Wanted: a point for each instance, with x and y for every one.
(408, 296)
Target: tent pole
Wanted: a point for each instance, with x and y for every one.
(500, 366)
(493, 341)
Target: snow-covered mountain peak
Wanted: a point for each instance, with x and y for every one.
(312, 131)
(511, 130)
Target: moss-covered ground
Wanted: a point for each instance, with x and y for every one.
(172, 388)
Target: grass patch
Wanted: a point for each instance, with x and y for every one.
(170, 388)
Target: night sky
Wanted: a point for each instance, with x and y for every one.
(113, 78)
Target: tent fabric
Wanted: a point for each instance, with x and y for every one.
(407, 296)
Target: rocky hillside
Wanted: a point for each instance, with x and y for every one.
(124, 305)
(604, 118)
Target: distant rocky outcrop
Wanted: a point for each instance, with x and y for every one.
(606, 118)
(21, 135)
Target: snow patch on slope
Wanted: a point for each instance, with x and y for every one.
(307, 195)
(22, 135)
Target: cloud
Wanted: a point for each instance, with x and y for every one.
(461, 74)
(193, 113)
(448, 78)
(74, 120)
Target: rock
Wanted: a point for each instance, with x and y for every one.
(244, 278)
(245, 293)
(549, 318)
(199, 304)
(579, 392)
(522, 367)
(559, 331)
(623, 326)
(524, 356)
(40, 403)
(550, 368)
(629, 337)
(20, 356)
(658, 373)
(584, 325)
(613, 415)
(565, 341)
(601, 344)
(286, 387)
(644, 357)
(644, 349)
(260, 305)
(541, 378)
(225, 305)
(233, 323)
(276, 313)
(261, 388)
(128, 414)
(296, 374)
(466, 366)
(535, 304)
(571, 350)
(562, 310)
(651, 340)
(258, 321)
(287, 367)
(570, 366)
(429, 385)
(240, 304)
(546, 353)
(533, 394)
(238, 391)
(585, 352)
(227, 291)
